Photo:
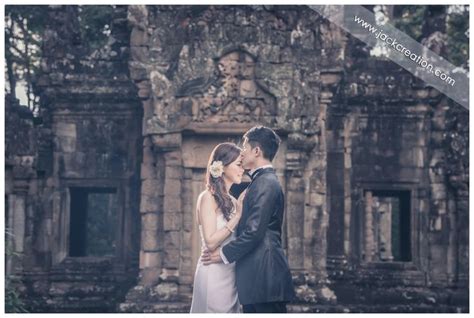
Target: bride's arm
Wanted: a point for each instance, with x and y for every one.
(208, 216)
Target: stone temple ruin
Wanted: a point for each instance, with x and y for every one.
(100, 193)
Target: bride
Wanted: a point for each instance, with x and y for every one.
(218, 214)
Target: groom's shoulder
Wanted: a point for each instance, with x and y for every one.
(268, 179)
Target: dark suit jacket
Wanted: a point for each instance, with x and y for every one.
(262, 271)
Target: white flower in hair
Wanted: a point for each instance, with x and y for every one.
(216, 169)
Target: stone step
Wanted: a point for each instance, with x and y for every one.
(94, 304)
(180, 307)
(81, 289)
(171, 307)
(407, 296)
(82, 277)
(380, 308)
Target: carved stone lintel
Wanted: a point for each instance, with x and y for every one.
(166, 142)
(232, 94)
(298, 141)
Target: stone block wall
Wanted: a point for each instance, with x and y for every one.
(392, 137)
(21, 183)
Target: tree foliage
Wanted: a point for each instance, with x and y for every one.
(409, 19)
(95, 23)
(453, 20)
(458, 35)
(24, 26)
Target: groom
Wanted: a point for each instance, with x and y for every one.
(263, 277)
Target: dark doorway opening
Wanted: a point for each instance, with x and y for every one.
(93, 221)
(391, 215)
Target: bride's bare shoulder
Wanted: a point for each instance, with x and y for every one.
(205, 196)
(205, 193)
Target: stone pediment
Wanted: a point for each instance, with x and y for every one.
(230, 95)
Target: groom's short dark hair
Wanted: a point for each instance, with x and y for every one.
(264, 138)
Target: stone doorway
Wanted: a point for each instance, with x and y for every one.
(196, 150)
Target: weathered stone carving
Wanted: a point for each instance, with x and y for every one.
(232, 94)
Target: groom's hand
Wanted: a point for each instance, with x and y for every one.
(209, 257)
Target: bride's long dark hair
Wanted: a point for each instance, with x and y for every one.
(227, 153)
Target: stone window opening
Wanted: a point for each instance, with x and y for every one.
(387, 226)
(93, 222)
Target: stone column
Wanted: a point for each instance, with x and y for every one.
(172, 214)
(151, 247)
(8, 205)
(439, 245)
(295, 215)
(384, 240)
(161, 212)
(16, 225)
(307, 213)
(368, 228)
(190, 239)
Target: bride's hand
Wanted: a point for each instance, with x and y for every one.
(240, 204)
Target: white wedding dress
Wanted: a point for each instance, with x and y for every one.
(214, 285)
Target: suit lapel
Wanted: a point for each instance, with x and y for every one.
(259, 173)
